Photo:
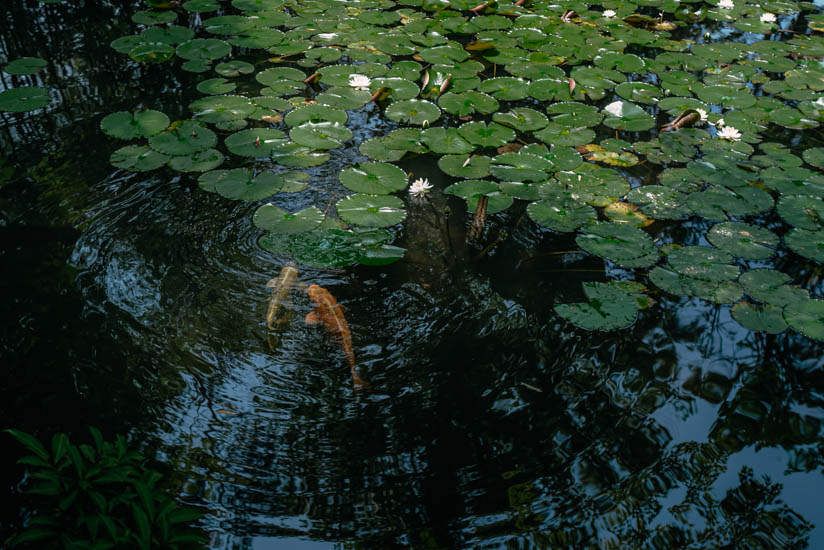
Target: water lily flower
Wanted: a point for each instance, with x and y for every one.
(419, 188)
(359, 81)
(726, 4)
(609, 13)
(703, 114)
(768, 18)
(729, 133)
(615, 108)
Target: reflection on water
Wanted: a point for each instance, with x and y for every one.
(139, 304)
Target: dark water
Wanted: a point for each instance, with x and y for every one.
(136, 303)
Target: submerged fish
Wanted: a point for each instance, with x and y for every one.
(329, 313)
(281, 287)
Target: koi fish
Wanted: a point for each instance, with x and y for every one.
(281, 287)
(329, 313)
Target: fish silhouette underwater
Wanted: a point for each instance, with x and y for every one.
(329, 313)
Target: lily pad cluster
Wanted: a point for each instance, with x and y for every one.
(24, 98)
(601, 118)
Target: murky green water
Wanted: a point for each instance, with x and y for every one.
(137, 302)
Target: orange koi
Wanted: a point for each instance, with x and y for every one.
(330, 314)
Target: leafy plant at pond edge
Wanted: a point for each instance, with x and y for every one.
(99, 496)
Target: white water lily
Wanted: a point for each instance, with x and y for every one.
(768, 18)
(703, 114)
(419, 188)
(609, 13)
(615, 108)
(726, 4)
(327, 35)
(359, 81)
(729, 133)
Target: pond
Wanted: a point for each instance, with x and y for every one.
(596, 323)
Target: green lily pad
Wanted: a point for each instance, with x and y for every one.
(505, 88)
(201, 161)
(716, 202)
(138, 158)
(124, 125)
(556, 134)
(471, 188)
(155, 52)
(601, 186)
(571, 114)
(521, 167)
(25, 65)
(183, 139)
(234, 68)
(171, 35)
(297, 156)
(271, 218)
(639, 92)
(204, 49)
(809, 244)
(201, 6)
(345, 98)
(413, 111)
(496, 202)
(793, 181)
(486, 135)
(769, 286)
(561, 216)
(622, 115)
(222, 108)
(445, 141)
(371, 210)
(761, 318)
(216, 86)
(467, 103)
(522, 119)
(254, 142)
(378, 149)
(723, 292)
(321, 135)
(620, 243)
(399, 88)
(315, 114)
(196, 66)
(660, 202)
(374, 178)
(242, 183)
(465, 166)
(814, 157)
(743, 240)
(26, 98)
(806, 317)
(610, 307)
(153, 17)
(802, 211)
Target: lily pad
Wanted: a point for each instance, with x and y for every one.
(623, 244)
(271, 218)
(183, 139)
(486, 135)
(465, 166)
(445, 141)
(222, 108)
(216, 86)
(138, 158)
(204, 49)
(769, 286)
(242, 183)
(234, 68)
(26, 98)
(622, 115)
(522, 119)
(610, 307)
(255, 142)
(25, 65)
(762, 318)
(125, 125)
(374, 178)
(806, 317)
(321, 135)
(743, 240)
(413, 111)
(371, 210)
(315, 114)
(471, 188)
(561, 216)
(521, 167)
(809, 244)
(467, 103)
(201, 161)
(660, 202)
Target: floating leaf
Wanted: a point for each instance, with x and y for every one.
(610, 307)
(413, 111)
(321, 135)
(561, 216)
(315, 114)
(521, 167)
(471, 188)
(255, 142)
(769, 286)
(271, 218)
(125, 125)
(465, 166)
(204, 49)
(522, 119)
(242, 183)
(183, 139)
(197, 162)
(371, 210)
(467, 103)
(743, 240)
(623, 244)
(802, 211)
(374, 178)
(138, 158)
(445, 141)
(486, 135)
(505, 88)
(809, 244)
(763, 318)
(216, 86)
(806, 317)
(26, 98)
(25, 65)
(622, 115)
(222, 108)
(234, 68)
(660, 202)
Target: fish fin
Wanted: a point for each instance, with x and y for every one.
(312, 318)
(271, 283)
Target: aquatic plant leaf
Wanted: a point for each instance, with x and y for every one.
(486, 135)
(522, 119)
(183, 139)
(609, 308)
(196, 66)
(620, 243)
(762, 318)
(806, 317)
(556, 134)
(623, 115)
(371, 210)
(271, 218)
(793, 181)
(171, 35)
(254, 142)
(704, 263)
(125, 125)
(320, 135)
(315, 114)
(297, 156)
(809, 244)
(413, 111)
(445, 141)
(241, 183)
(519, 190)
(215, 86)
(603, 186)
(466, 103)
(624, 212)
(660, 202)
(201, 161)
(374, 178)
(25, 65)
(203, 49)
(566, 217)
(496, 202)
(155, 52)
(345, 98)
(138, 158)
(378, 149)
(331, 246)
(716, 202)
(802, 211)
(814, 157)
(471, 188)
(639, 92)
(743, 240)
(465, 166)
(25, 98)
(272, 103)
(521, 167)
(153, 17)
(572, 114)
(769, 286)
(222, 108)
(505, 88)
(398, 88)
(723, 292)
(201, 6)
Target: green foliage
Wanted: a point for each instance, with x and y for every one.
(99, 496)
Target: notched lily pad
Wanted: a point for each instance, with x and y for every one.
(611, 306)
(761, 318)
(743, 240)
(271, 218)
(125, 125)
(371, 210)
(25, 98)
(623, 244)
(138, 158)
(374, 178)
